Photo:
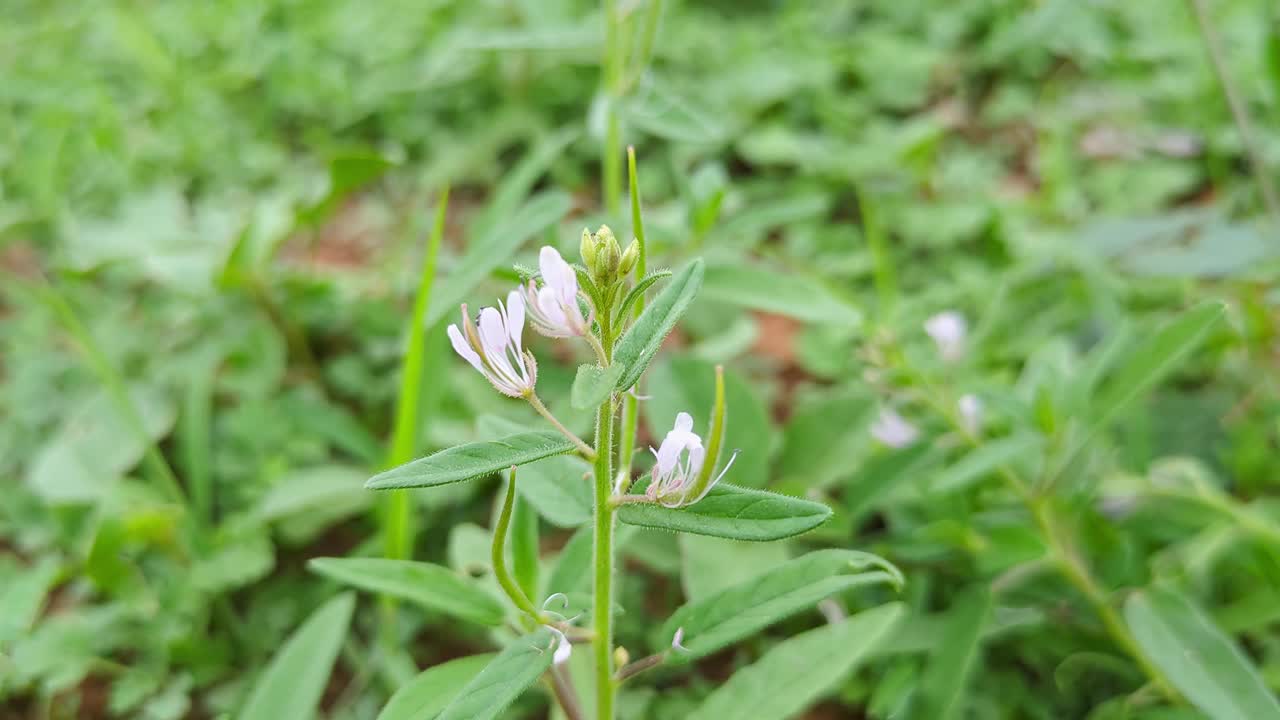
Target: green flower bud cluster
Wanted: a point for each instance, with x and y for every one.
(604, 257)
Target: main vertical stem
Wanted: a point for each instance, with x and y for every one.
(602, 611)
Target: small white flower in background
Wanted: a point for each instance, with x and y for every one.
(493, 347)
(971, 413)
(948, 330)
(677, 642)
(680, 458)
(564, 648)
(892, 430)
(553, 308)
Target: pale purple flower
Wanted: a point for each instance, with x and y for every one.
(893, 430)
(492, 346)
(679, 460)
(948, 330)
(553, 309)
(971, 413)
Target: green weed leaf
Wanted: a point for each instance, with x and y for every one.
(1198, 658)
(471, 461)
(733, 512)
(295, 679)
(799, 670)
(431, 586)
(517, 667)
(637, 347)
(778, 292)
(942, 687)
(434, 688)
(728, 616)
(592, 385)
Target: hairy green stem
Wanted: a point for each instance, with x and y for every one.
(602, 607)
(498, 554)
(578, 442)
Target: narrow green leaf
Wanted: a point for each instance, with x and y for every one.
(798, 671)
(556, 486)
(427, 694)
(637, 347)
(517, 667)
(733, 512)
(431, 586)
(984, 460)
(471, 461)
(21, 596)
(313, 489)
(726, 617)
(942, 687)
(592, 385)
(1199, 659)
(294, 681)
(778, 292)
(1149, 362)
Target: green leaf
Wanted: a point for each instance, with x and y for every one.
(798, 671)
(778, 292)
(517, 667)
(1150, 362)
(294, 681)
(431, 586)
(943, 684)
(726, 617)
(556, 487)
(314, 489)
(637, 347)
(434, 688)
(592, 385)
(471, 461)
(733, 512)
(984, 460)
(688, 384)
(22, 594)
(709, 565)
(1198, 658)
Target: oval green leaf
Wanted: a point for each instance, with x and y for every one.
(431, 586)
(733, 512)
(592, 385)
(1199, 659)
(471, 461)
(778, 292)
(728, 616)
(294, 681)
(636, 349)
(517, 667)
(798, 671)
(433, 689)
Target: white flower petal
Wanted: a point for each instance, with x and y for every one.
(892, 430)
(515, 318)
(461, 347)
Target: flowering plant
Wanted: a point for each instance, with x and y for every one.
(602, 303)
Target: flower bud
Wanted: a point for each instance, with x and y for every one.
(621, 656)
(587, 249)
(629, 258)
(608, 256)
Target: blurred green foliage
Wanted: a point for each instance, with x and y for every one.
(232, 199)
